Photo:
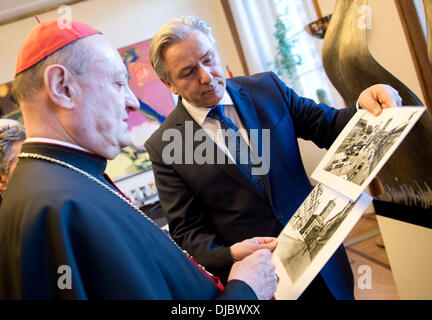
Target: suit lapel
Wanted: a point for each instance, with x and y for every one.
(227, 166)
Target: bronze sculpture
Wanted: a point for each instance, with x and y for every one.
(428, 14)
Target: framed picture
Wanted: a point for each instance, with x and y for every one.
(156, 102)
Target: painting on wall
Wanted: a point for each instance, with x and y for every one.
(156, 102)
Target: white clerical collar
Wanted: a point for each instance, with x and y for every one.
(58, 142)
(200, 114)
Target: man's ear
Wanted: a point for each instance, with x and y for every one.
(58, 80)
(170, 86)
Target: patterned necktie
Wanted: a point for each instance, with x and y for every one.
(242, 160)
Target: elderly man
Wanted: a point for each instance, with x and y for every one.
(212, 204)
(65, 230)
(12, 135)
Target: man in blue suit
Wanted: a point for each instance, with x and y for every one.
(211, 205)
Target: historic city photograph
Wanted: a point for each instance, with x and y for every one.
(309, 230)
(363, 147)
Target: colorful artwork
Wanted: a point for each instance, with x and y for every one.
(156, 102)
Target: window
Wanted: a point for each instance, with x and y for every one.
(256, 21)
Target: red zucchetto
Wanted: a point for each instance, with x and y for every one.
(47, 38)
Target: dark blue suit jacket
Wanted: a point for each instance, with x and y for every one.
(211, 206)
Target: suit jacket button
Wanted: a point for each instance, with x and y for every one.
(279, 216)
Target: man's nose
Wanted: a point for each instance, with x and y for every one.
(132, 103)
(205, 75)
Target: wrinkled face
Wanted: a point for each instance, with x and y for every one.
(195, 70)
(103, 102)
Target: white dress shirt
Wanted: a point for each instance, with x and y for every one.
(212, 126)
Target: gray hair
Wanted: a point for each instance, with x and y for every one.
(73, 56)
(172, 32)
(8, 136)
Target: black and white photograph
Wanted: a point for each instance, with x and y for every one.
(363, 147)
(312, 235)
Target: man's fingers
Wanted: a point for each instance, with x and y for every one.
(265, 253)
(268, 239)
(269, 243)
(378, 97)
(263, 240)
(258, 271)
(373, 106)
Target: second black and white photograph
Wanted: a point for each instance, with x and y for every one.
(312, 235)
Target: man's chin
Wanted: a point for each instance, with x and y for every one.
(111, 153)
(124, 145)
(216, 96)
(213, 101)
(125, 141)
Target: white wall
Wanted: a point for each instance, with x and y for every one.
(388, 44)
(326, 6)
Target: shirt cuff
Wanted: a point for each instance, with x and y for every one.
(358, 106)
